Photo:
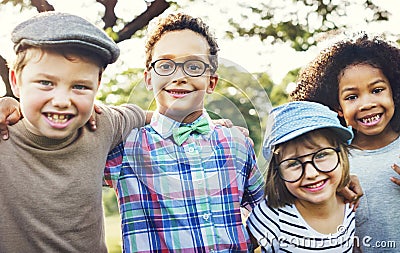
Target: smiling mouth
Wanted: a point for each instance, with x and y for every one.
(314, 186)
(371, 119)
(58, 118)
(178, 92)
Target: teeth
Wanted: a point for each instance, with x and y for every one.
(370, 120)
(58, 118)
(178, 92)
(316, 185)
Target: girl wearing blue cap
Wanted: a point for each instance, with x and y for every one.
(359, 77)
(308, 162)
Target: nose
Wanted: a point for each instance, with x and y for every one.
(179, 75)
(367, 104)
(309, 170)
(61, 98)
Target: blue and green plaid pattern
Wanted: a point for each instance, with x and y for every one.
(184, 198)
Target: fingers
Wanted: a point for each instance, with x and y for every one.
(355, 185)
(353, 192)
(395, 180)
(223, 122)
(10, 120)
(14, 117)
(91, 124)
(97, 109)
(348, 195)
(9, 114)
(243, 130)
(149, 115)
(3, 132)
(228, 123)
(251, 141)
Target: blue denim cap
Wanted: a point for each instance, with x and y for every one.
(58, 29)
(293, 119)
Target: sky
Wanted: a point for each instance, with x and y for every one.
(249, 53)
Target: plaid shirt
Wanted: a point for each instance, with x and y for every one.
(184, 198)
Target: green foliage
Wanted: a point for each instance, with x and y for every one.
(16, 2)
(242, 98)
(125, 87)
(296, 21)
(113, 233)
(110, 202)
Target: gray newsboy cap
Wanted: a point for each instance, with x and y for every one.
(55, 29)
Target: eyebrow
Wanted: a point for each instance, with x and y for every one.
(187, 57)
(369, 85)
(57, 79)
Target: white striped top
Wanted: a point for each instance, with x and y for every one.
(285, 230)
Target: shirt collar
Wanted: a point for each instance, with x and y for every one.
(164, 125)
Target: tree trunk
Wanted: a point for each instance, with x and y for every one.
(4, 76)
(156, 8)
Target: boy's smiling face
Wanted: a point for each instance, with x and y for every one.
(179, 96)
(56, 94)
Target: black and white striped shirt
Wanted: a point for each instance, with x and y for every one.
(285, 230)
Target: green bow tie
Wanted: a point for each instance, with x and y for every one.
(181, 134)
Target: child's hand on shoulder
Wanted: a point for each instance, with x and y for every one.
(352, 192)
(9, 114)
(228, 123)
(91, 124)
(396, 180)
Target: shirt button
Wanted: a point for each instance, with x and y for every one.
(191, 150)
(206, 216)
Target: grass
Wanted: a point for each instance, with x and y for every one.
(113, 233)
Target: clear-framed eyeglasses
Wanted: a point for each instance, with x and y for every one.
(166, 67)
(324, 160)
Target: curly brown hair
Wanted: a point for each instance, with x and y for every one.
(319, 80)
(177, 22)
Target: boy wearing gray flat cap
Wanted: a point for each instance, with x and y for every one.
(52, 166)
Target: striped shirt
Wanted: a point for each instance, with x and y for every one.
(184, 198)
(284, 230)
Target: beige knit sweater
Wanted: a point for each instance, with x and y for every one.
(50, 190)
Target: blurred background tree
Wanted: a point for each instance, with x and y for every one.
(299, 22)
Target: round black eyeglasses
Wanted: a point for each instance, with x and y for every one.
(324, 160)
(166, 67)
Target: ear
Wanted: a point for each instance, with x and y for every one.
(12, 77)
(147, 80)
(212, 84)
(340, 112)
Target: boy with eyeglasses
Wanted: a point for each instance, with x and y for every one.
(181, 181)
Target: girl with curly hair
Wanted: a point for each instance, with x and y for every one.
(359, 78)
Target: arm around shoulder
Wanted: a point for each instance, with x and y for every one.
(122, 120)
